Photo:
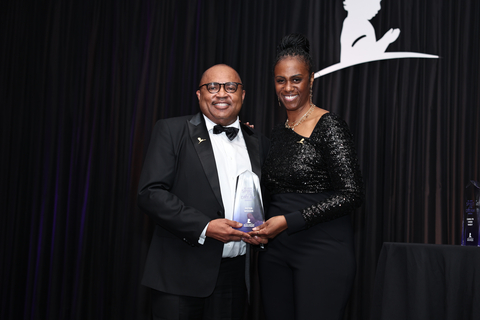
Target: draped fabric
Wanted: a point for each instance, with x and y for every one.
(83, 82)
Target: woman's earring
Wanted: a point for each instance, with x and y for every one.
(279, 101)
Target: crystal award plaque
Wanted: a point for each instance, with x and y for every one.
(471, 215)
(248, 207)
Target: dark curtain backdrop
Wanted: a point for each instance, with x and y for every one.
(83, 82)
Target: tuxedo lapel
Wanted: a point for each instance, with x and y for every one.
(203, 146)
(252, 143)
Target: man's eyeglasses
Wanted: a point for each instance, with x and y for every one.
(214, 87)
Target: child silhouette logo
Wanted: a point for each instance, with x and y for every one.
(358, 41)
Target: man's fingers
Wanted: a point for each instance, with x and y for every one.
(223, 230)
(233, 224)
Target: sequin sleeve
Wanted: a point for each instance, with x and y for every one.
(341, 164)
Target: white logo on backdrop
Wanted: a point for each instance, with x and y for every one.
(358, 41)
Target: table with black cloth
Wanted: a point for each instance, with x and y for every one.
(427, 281)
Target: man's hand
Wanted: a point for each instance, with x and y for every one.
(223, 230)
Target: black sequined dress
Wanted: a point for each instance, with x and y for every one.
(318, 177)
(308, 270)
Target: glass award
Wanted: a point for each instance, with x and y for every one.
(471, 215)
(248, 205)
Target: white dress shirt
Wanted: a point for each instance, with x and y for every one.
(231, 158)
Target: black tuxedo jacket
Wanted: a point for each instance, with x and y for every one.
(179, 189)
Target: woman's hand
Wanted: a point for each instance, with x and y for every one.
(248, 124)
(271, 228)
(255, 240)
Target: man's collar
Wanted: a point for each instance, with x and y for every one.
(210, 124)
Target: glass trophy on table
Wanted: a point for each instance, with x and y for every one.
(471, 215)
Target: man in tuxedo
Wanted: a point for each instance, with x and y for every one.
(196, 263)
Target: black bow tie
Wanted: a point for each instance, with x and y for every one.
(231, 132)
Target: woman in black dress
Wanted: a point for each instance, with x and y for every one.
(314, 182)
